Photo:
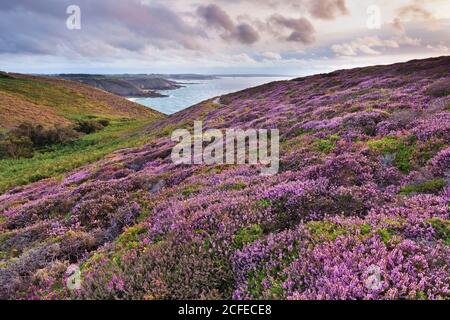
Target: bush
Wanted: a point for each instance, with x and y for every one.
(104, 122)
(91, 126)
(439, 88)
(20, 141)
(15, 146)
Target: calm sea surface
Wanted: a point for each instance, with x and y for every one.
(200, 90)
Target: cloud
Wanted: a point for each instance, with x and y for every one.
(245, 33)
(371, 45)
(106, 29)
(413, 11)
(302, 29)
(216, 17)
(271, 56)
(440, 47)
(327, 9)
(343, 49)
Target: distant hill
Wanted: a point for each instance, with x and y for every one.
(49, 101)
(125, 85)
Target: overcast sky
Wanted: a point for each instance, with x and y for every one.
(295, 37)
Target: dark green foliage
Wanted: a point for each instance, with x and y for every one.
(247, 235)
(399, 149)
(326, 145)
(91, 126)
(21, 141)
(430, 186)
(442, 229)
(234, 187)
(26, 138)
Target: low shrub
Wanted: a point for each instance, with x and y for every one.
(394, 147)
(440, 88)
(91, 126)
(21, 141)
(430, 186)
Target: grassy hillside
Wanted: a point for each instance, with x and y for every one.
(50, 101)
(358, 210)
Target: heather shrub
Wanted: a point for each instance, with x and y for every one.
(408, 270)
(344, 169)
(109, 211)
(259, 266)
(435, 126)
(293, 201)
(16, 275)
(439, 88)
(326, 145)
(164, 270)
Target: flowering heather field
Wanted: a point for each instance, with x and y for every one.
(363, 183)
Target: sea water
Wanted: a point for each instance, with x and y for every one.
(195, 91)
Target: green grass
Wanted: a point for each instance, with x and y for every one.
(234, 187)
(60, 159)
(430, 186)
(247, 235)
(329, 231)
(442, 229)
(401, 150)
(326, 145)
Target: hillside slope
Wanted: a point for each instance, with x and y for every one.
(359, 209)
(50, 101)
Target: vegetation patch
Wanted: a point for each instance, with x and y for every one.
(329, 231)
(234, 186)
(191, 190)
(430, 186)
(326, 145)
(247, 235)
(397, 147)
(442, 229)
(129, 239)
(440, 88)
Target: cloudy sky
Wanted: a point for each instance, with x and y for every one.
(295, 37)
